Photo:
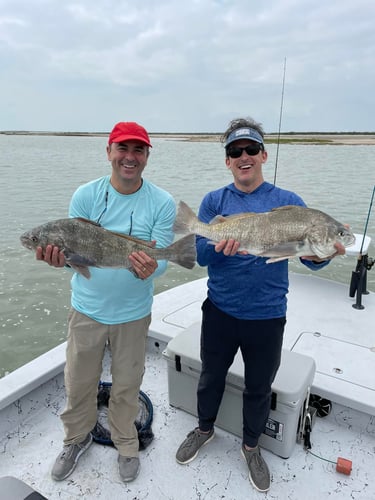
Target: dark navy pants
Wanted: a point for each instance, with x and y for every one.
(260, 342)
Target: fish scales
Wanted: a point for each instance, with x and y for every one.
(264, 228)
(86, 244)
(285, 232)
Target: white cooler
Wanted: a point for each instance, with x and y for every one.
(290, 390)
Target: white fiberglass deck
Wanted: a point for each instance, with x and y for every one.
(31, 432)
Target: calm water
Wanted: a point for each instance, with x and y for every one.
(39, 175)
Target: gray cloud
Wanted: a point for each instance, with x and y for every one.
(188, 66)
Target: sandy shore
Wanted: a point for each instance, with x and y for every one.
(329, 139)
(355, 139)
(290, 138)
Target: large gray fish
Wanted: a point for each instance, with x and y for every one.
(86, 244)
(285, 232)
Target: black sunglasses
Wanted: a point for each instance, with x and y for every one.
(251, 150)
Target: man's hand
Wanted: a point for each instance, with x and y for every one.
(340, 250)
(143, 265)
(52, 255)
(229, 247)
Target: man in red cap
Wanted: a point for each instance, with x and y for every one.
(114, 306)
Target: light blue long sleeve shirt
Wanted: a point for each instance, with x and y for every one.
(113, 296)
(244, 286)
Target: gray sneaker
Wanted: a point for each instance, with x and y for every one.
(67, 460)
(190, 447)
(259, 474)
(128, 468)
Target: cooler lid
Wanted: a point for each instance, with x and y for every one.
(186, 345)
(288, 387)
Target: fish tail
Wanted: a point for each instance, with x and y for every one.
(185, 219)
(183, 252)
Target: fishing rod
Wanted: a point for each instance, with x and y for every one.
(358, 282)
(367, 220)
(280, 118)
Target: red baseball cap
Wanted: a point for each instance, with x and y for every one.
(129, 131)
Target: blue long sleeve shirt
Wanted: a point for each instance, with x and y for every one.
(113, 296)
(244, 286)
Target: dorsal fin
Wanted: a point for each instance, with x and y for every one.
(219, 219)
(150, 244)
(286, 207)
(88, 221)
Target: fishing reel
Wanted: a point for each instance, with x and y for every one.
(314, 406)
(358, 282)
(370, 263)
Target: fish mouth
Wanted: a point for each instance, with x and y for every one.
(25, 241)
(350, 240)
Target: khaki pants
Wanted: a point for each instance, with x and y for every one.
(84, 354)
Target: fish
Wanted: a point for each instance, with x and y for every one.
(282, 233)
(87, 244)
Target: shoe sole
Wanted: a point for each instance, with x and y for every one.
(130, 478)
(196, 454)
(251, 479)
(55, 478)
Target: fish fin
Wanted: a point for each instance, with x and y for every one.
(278, 259)
(286, 255)
(150, 244)
(84, 270)
(185, 219)
(88, 221)
(184, 251)
(282, 251)
(226, 218)
(218, 219)
(79, 260)
(80, 264)
(286, 207)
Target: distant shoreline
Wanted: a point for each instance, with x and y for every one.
(323, 138)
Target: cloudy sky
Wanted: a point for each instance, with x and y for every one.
(187, 66)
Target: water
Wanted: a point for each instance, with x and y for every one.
(40, 173)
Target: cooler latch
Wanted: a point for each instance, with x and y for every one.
(177, 362)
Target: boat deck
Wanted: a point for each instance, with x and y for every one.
(32, 436)
(319, 310)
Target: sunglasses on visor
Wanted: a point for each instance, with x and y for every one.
(251, 150)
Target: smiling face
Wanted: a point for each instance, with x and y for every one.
(128, 160)
(247, 169)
